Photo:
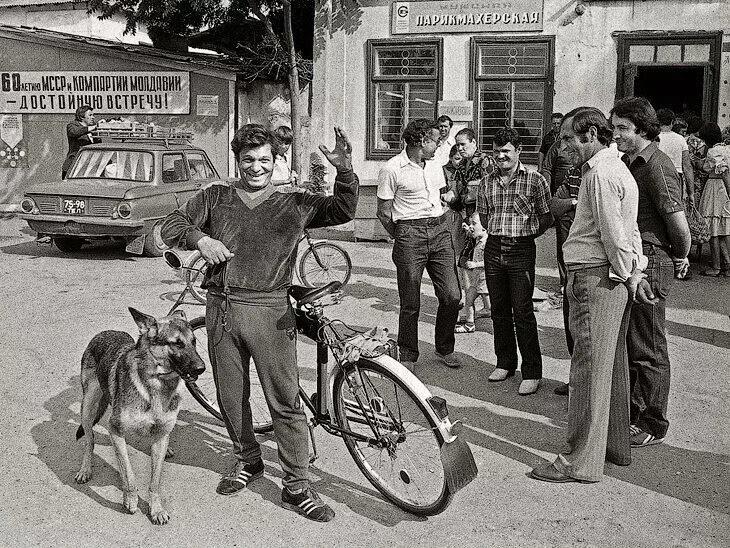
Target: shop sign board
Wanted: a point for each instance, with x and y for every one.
(434, 17)
(458, 111)
(118, 92)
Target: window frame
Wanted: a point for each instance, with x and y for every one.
(186, 170)
(372, 45)
(548, 79)
(624, 67)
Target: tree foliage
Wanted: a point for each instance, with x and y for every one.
(180, 17)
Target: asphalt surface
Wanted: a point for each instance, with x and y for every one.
(675, 494)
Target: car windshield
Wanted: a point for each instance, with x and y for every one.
(131, 165)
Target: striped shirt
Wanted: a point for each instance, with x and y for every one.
(512, 208)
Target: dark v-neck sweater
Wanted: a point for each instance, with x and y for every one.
(261, 231)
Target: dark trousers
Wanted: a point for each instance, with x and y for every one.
(509, 264)
(417, 247)
(647, 348)
(266, 334)
(562, 228)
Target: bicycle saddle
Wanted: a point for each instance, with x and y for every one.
(307, 295)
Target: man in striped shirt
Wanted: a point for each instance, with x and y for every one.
(514, 206)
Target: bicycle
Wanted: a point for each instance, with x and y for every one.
(322, 262)
(398, 433)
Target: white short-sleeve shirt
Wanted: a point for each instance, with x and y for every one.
(415, 191)
(673, 144)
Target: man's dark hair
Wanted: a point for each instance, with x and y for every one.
(468, 133)
(251, 136)
(665, 116)
(641, 114)
(284, 134)
(444, 118)
(582, 118)
(556, 115)
(507, 135)
(679, 125)
(694, 123)
(417, 129)
(454, 151)
(710, 133)
(81, 112)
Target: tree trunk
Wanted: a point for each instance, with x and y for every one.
(296, 122)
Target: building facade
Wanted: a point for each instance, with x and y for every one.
(491, 63)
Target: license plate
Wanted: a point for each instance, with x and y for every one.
(74, 206)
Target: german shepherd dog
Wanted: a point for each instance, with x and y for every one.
(143, 384)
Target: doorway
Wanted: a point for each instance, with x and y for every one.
(677, 70)
(678, 88)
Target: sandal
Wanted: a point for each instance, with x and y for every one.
(465, 328)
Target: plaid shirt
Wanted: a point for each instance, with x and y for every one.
(513, 208)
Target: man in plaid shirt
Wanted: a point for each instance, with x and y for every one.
(514, 206)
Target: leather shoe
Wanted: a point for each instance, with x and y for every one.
(528, 386)
(500, 375)
(552, 475)
(449, 360)
(562, 389)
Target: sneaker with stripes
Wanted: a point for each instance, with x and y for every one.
(238, 478)
(639, 438)
(307, 503)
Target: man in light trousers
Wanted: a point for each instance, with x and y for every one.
(605, 262)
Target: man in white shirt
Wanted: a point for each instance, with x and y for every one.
(604, 257)
(444, 124)
(675, 146)
(410, 209)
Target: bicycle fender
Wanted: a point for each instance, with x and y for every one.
(419, 389)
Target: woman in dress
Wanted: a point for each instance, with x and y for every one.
(715, 202)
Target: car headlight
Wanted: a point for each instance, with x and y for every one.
(28, 206)
(123, 210)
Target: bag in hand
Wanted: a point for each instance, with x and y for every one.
(698, 228)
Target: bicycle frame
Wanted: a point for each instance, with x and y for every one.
(311, 324)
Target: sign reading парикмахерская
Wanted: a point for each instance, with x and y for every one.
(115, 92)
(466, 16)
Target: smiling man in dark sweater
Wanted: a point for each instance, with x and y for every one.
(248, 231)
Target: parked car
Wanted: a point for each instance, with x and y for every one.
(118, 190)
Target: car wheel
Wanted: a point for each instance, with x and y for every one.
(68, 244)
(153, 244)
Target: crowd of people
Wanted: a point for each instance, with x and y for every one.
(618, 190)
(615, 187)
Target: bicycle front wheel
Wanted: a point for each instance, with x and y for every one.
(324, 262)
(203, 389)
(194, 277)
(405, 462)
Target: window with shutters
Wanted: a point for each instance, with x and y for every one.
(404, 83)
(513, 86)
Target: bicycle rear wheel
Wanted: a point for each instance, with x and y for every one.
(203, 389)
(194, 277)
(405, 465)
(324, 262)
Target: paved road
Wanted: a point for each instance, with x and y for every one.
(676, 494)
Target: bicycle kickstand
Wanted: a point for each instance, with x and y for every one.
(313, 456)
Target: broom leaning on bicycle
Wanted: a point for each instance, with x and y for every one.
(248, 232)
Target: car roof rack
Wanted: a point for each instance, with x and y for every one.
(145, 133)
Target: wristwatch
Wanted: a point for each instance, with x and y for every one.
(574, 202)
